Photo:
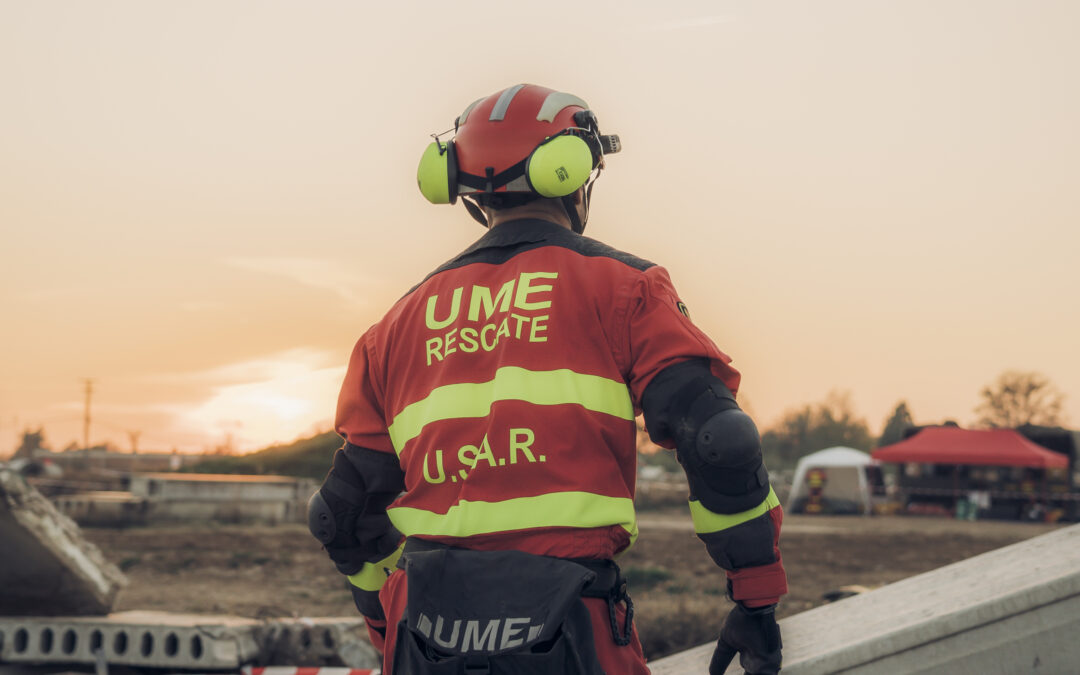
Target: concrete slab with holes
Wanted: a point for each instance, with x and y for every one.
(183, 641)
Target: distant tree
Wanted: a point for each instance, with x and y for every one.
(814, 427)
(227, 448)
(1018, 398)
(893, 432)
(31, 441)
(308, 457)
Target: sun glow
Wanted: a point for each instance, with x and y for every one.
(290, 395)
(869, 197)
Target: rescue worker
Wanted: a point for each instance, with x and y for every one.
(487, 478)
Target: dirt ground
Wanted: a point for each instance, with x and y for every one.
(678, 591)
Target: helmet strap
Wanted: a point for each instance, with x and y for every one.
(571, 212)
(588, 199)
(474, 210)
(578, 224)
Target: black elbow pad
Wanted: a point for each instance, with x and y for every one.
(724, 465)
(729, 439)
(718, 444)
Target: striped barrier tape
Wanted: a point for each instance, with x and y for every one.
(290, 670)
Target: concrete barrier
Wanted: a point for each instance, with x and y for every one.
(46, 566)
(1012, 610)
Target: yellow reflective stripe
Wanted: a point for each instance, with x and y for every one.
(557, 509)
(474, 399)
(372, 576)
(706, 522)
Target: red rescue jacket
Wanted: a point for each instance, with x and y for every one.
(507, 383)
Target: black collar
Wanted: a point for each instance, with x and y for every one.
(516, 232)
(504, 241)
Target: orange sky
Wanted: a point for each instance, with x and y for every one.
(203, 204)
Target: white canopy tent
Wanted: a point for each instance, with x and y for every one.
(846, 482)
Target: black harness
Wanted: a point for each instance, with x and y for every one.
(455, 592)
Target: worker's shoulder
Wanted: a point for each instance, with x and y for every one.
(593, 248)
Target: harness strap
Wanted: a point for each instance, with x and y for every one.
(621, 638)
(611, 586)
(608, 581)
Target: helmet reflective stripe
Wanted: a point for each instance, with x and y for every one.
(465, 115)
(499, 111)
(555, 102)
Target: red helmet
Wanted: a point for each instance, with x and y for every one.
(526, 139)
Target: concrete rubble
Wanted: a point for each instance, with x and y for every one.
(1012, 610)
(57, 589)
(317, 642)
(46, 567)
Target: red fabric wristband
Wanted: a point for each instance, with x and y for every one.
(759, 586)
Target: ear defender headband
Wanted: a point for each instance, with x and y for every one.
(559, 166)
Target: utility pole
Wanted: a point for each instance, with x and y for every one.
(134, 436)
(86, 416)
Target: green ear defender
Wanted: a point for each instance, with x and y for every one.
(558, 166)
(437, 173)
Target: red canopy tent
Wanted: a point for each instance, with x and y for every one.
(952, 445)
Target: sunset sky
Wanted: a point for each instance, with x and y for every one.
(203, 204)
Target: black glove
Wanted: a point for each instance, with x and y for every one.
(350, 537)
(753, 633)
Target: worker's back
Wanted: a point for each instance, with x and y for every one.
(505, 393)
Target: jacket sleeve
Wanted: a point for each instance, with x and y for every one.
(360, 418)
(365, 479)
(744, 544)
(659, 334)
